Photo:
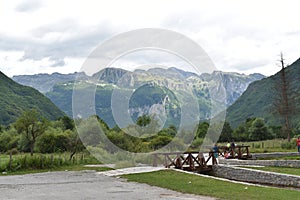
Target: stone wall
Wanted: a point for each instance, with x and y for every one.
(255, 176)
(276, 163)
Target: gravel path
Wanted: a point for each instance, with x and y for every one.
(83, 185)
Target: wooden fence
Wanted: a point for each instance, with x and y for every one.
(191, 161)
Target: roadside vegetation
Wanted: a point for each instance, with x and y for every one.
(26, 162)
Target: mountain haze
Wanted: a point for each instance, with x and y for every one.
(45, 82)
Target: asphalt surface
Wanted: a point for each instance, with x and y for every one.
(83, 185)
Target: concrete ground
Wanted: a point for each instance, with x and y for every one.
(85, 185)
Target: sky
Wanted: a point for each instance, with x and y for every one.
(58, 35)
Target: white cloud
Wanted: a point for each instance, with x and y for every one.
(243, 36)
(29, 6)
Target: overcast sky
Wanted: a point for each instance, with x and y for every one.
(57, 36)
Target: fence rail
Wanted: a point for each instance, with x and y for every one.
(191, 161)
(239, 152)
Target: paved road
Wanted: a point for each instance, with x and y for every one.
(85, 185)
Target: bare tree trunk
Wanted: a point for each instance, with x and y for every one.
(75, 148)
(285, 100)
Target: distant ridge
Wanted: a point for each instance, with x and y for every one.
(45, 82)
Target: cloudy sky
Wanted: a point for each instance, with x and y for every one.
(57, 36)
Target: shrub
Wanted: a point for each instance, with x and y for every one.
(287, 145)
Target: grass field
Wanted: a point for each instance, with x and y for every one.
(188, 183)
(284, 170)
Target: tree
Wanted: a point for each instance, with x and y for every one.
(32, 126)
(202, 129)
(170, 131)
(91, 131)
(143, 120)
(9, 139)
(241, 133)
(54, 140)
(160, 141)
(258, 130)
(67, 122)
(75, 144)
(226, 134)
(283, 103)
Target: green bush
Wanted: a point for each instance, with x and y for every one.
(54, 140)
(287, 145)
(8, 140)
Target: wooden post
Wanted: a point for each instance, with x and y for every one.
(154, 164)
(191, 162)
(42, 161)
(81, 159)
(178, 161)
(52, 159)
(247, 150)
(10, 160)
(239, 152)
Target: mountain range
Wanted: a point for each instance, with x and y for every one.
(16, 98)
(247, 96)
(234, 83)
(59, 88)
(261, 99)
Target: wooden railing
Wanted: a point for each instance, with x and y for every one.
(239, 152)
(185, 160)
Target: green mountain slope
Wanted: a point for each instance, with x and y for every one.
(16, 98)
(260, 97)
